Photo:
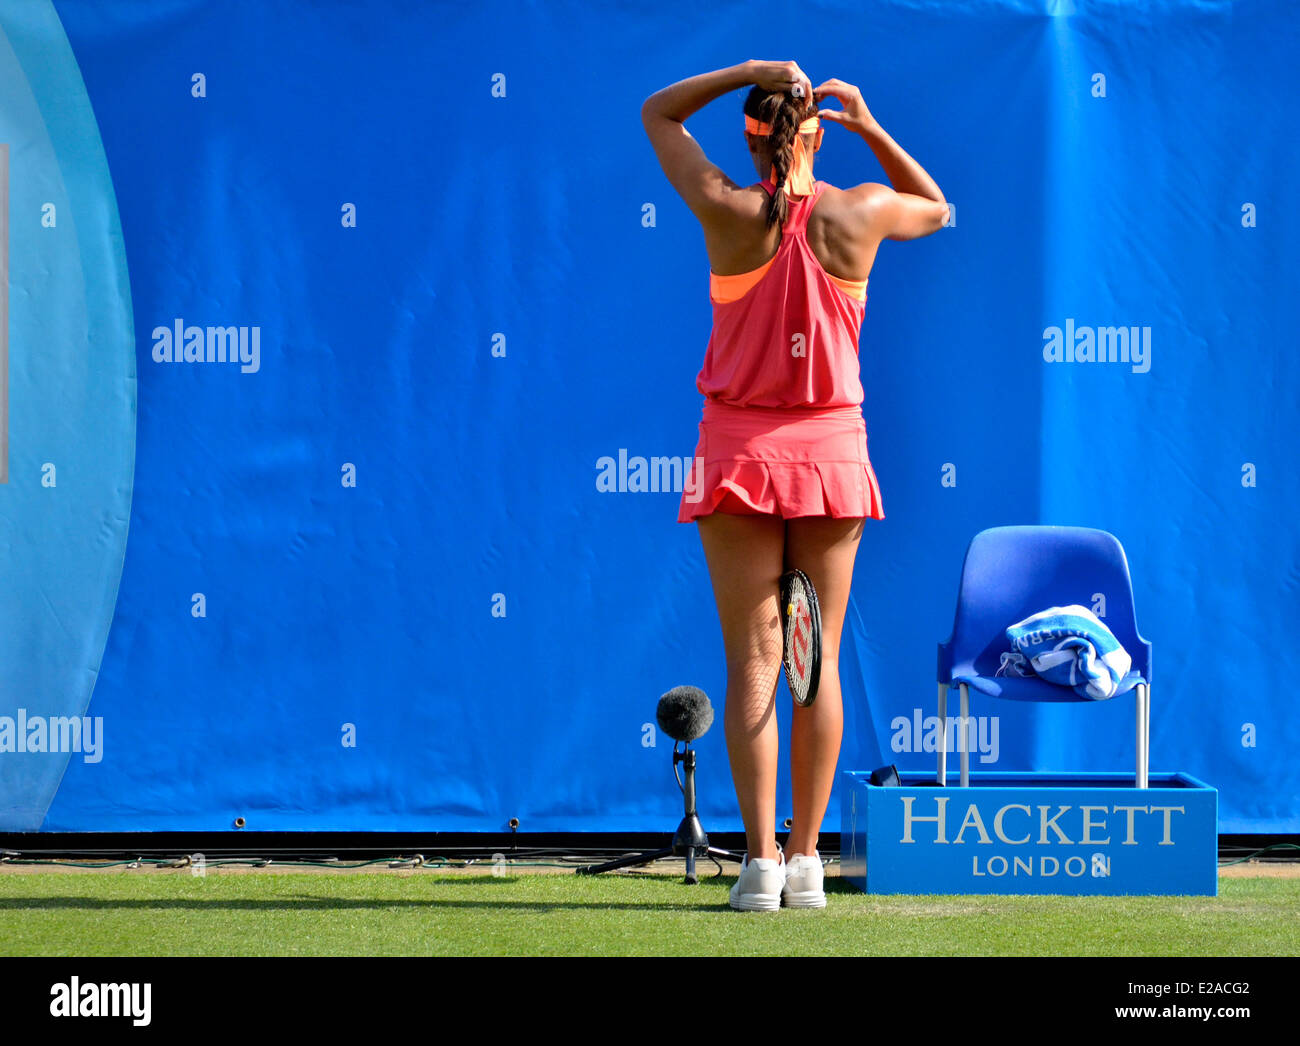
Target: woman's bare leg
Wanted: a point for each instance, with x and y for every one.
(745, 554)
(824, 549)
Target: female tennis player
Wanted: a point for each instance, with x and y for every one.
(786, 481)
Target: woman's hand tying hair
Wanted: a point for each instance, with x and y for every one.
(781, 77)
(855, 115)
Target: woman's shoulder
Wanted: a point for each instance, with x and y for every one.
(862, 190)
(854, 201)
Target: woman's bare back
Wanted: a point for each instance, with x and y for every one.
(738, 239)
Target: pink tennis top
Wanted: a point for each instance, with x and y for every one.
(785, 334)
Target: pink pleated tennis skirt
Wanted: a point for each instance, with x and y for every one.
(782, 461)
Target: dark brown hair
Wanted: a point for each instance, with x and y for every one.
(784, 112)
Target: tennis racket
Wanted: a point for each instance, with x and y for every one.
(801, 625)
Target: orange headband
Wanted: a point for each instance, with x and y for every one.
(800, 181)
(764, 129)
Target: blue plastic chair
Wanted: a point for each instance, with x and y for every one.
(1012, 572)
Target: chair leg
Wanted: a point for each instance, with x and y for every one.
(1143, 734)
(943, 735)
(963, 727)
(1146, 727)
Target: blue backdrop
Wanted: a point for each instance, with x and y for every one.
(363, 564)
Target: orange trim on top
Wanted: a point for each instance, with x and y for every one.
(724, 289)
(853, 288)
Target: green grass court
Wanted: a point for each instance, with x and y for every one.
(436, 912)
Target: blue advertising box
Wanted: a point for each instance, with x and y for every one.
(1030, 833)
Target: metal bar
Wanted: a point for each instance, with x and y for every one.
(962, 728)
(1143, 747)
(1146, 732)
(943, 735)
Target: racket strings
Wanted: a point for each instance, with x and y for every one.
(800, 636)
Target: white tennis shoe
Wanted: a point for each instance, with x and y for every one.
(804, 878)
(760, 884)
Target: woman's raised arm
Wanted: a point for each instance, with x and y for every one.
(701, 184)
(916, 206)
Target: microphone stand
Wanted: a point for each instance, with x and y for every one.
(689, 841)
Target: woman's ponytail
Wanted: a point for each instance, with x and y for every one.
(783, 113)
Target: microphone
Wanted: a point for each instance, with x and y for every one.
(685, 713)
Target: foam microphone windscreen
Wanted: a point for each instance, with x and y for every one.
(685, 713)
